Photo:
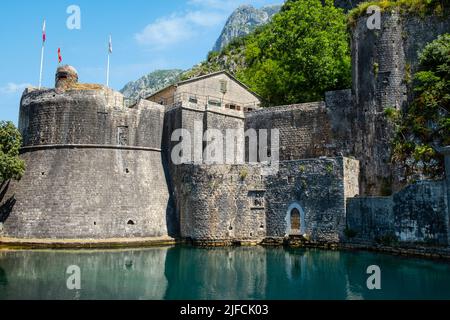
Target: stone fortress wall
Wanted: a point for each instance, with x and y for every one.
(238, 202)
(418, 214)
(349, 123)
(226, 203)
(97, 169)
(384, 62)
(92, 168)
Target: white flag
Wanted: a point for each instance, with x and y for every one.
(110, 45)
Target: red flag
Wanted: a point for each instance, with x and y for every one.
(44, 35)
(59, 55)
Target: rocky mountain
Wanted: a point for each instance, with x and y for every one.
(151, 83)
(243, 21)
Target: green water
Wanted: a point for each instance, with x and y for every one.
(220, 273)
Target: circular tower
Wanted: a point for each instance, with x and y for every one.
(93, 167)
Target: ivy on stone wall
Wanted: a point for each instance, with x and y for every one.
(418, 7)
(424, 127)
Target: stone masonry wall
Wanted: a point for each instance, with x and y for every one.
(213, 203)
(196, 120)
(305, 129)
(87, 193)
(383, 62)
(227, 203)
(87, 117)
(302, 182)
(211, 87)
(224, 122)
(418, 213)
(94, 169)
(370, 218)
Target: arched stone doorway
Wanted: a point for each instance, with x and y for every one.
(295, 220)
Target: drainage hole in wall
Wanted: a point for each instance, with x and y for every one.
(130, 223)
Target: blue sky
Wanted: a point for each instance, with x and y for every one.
(147, 35)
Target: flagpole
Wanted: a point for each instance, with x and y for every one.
(42, 66)
(109, 54)
(44, 36)
(107, 72)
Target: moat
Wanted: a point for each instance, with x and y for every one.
(184, 272)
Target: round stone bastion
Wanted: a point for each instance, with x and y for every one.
(94, 171)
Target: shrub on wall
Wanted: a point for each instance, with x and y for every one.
(418, 7)
(424, 127)
(11, 166)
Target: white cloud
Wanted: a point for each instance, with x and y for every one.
(184, 26)
(165, 31)
(14, 88)
(205, 19)
(177, 28)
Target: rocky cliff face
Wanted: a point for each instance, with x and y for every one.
(243, 21)
(347, 4)
(151, 83)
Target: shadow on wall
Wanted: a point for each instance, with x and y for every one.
(173, 224)
(6, 206)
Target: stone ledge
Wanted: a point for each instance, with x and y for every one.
(85, 146)
(441, 253)
(85, 243)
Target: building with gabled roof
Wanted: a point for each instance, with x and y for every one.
(216, 90)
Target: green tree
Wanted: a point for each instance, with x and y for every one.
(300, 55)
(11, 166)
(425, 126)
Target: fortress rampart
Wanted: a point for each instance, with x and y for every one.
(237, 202)
(98, 169)
(384, 62)
(88, 117)
(92, 168)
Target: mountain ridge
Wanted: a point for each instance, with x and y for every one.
(244, 20)
(151, 83)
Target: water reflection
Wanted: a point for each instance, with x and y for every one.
(218, 273)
